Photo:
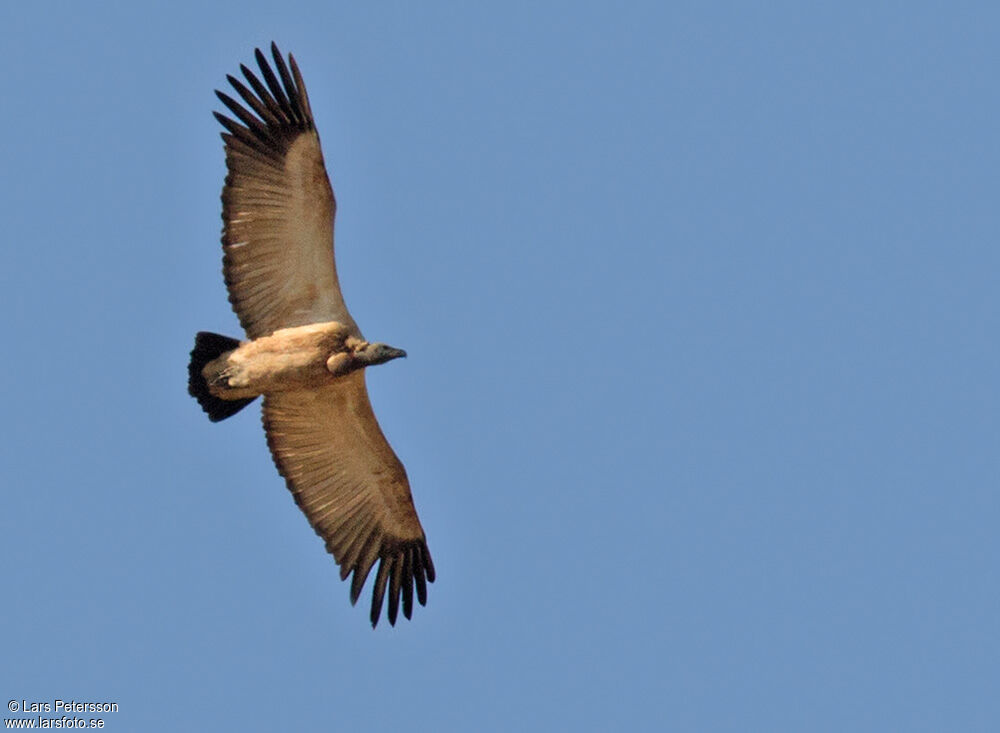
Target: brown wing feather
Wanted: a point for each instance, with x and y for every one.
(349, 483)
(277, 207)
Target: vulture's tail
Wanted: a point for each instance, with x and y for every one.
(209, 346)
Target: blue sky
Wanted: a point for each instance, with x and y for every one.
(701, 404)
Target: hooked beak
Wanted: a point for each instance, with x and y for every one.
(380, 354)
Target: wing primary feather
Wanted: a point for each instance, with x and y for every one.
(234, 128)
(300, 85)
(245, 136)
(364, 566)
(249, 97)
(286, 79)
(407, 584)
(395, 576)
(255, 126)
(276, 116)
(428, 563)
(418, 576)
(273, 84)
(378, 592)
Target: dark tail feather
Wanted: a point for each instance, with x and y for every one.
(209, 346)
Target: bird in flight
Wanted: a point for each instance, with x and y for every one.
(304, 353)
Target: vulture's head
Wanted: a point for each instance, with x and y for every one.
(373, 354)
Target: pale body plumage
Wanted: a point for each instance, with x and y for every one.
(290, 359)
(304, 353)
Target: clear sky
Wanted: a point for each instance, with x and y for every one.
(701, 404)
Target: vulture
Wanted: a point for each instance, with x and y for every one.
(303, 352)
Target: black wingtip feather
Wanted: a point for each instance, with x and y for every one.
(364, 566)
(272, 83)
(418, 577)
(395, 578)
(288, 85)
(428, 563)
(358, 583)
(277, 109)
(407, 584)
(249, 97)
(300, 85)
(274, 115)
(378, 594)
(404, 570)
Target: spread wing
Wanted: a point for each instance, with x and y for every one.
(352, 487)
(277, 206)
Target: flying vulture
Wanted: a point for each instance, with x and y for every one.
(304, 353)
